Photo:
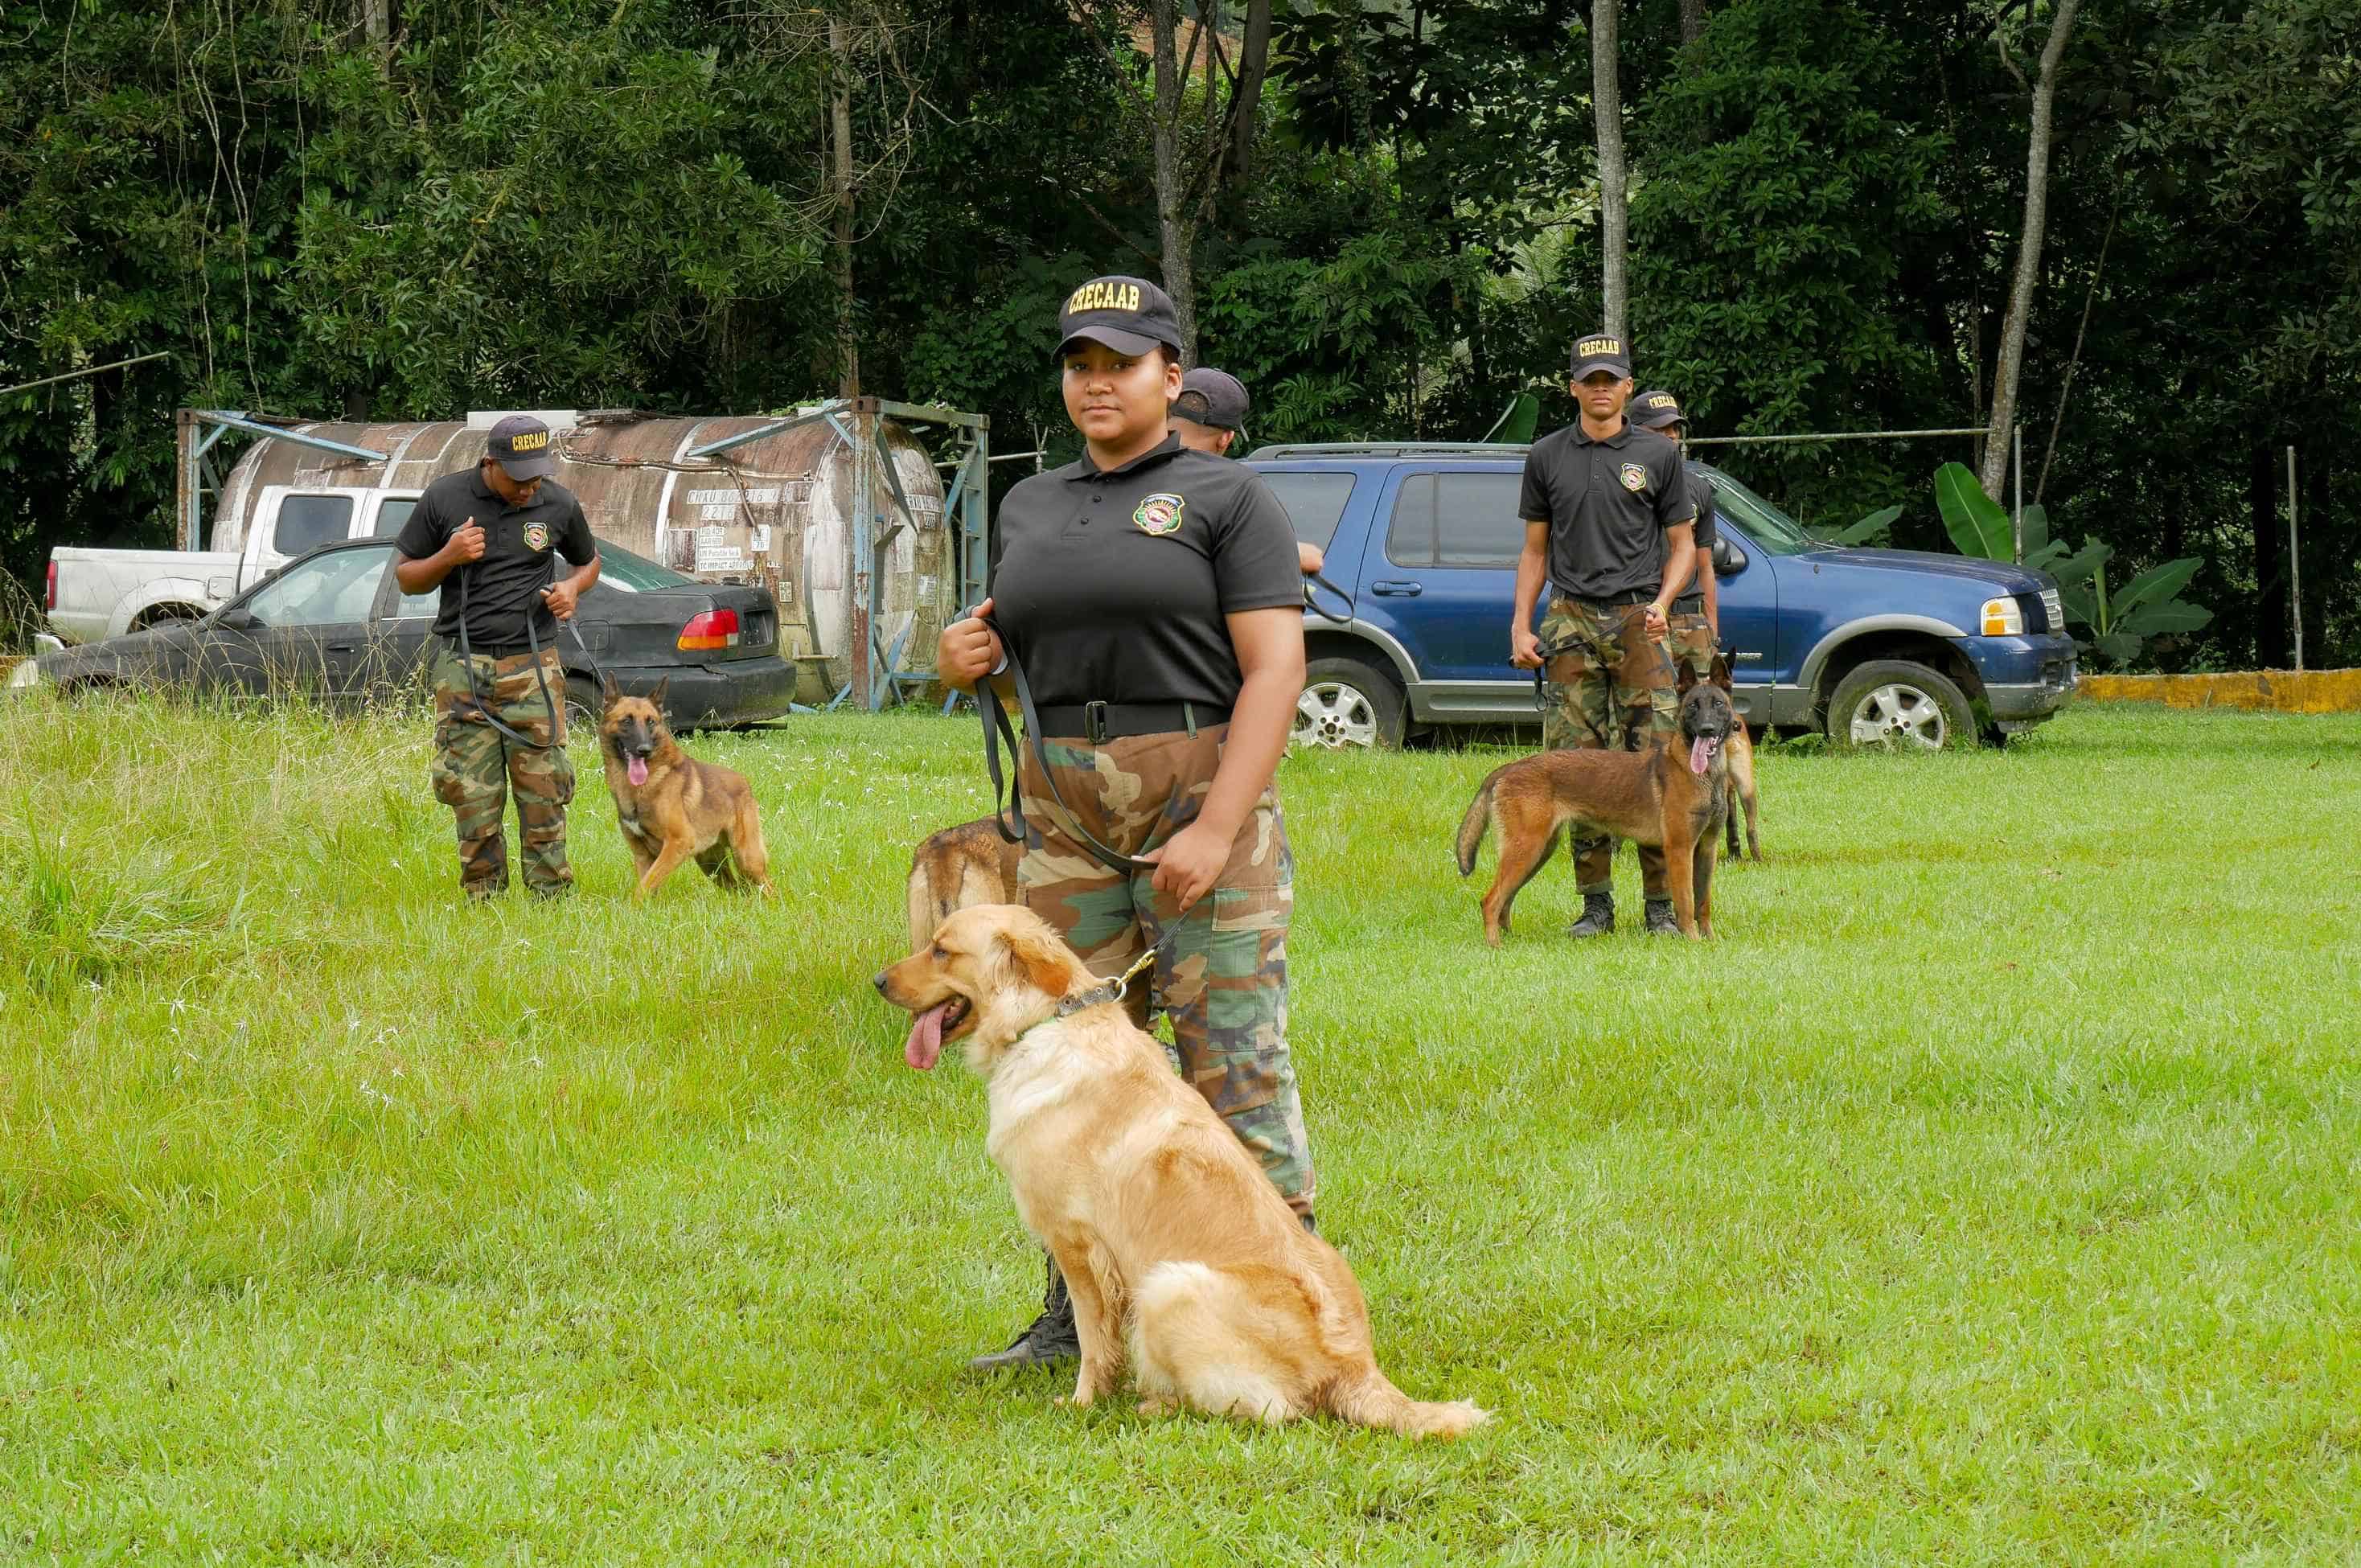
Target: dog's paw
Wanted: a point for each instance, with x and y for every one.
(1157, 1406)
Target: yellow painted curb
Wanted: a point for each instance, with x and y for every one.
(2275, 691)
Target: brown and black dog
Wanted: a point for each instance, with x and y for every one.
(674, 808)
(971, 863)
(1739, 750)
(1674, 794)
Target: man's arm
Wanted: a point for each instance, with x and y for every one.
(1524, 648)
(1680, 559)
(424, 573)
(1710, 587)
(562, 596)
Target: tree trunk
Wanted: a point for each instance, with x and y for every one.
(2268, 517)
(1692, 21)
(2010, 361)
(377, 26)
(840, 184)
(1246, 105)
(1614, 209)
(1171, 198)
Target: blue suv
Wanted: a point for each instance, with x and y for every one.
(1873, 646)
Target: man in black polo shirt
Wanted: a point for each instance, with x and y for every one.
(1696, 622)
(488, 540)
(1210, 415)
(1607, 514)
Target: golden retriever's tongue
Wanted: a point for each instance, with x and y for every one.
(926, 1041)
(1701, 753)
(637, 768)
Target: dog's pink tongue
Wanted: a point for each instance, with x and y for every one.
(1701, 753)
(638, 769)
(926, 1041)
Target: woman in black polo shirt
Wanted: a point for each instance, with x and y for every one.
(1152, 597)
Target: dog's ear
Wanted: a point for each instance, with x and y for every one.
(1685, 681)
(1044, 961)
(1721, 671)
(656, 695)
(609, 694)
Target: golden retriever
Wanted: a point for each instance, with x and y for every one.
(1176, 1246)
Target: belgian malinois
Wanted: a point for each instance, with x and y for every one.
(1668, 794)
(674, 808)
(971, 863)
(1739, 750)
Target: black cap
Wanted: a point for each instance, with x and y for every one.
(1130, 315)
(1601, 351)
(1653, 410)
(1211, 397)
(520, 444)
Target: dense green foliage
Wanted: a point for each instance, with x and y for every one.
(563, 203)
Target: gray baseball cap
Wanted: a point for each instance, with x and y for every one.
(1653, 410)
(520, 444)
(1211, 397)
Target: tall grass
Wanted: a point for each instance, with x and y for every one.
(1985, 1193)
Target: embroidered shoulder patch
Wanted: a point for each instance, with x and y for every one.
(536, 536)
(1635, 476)
(1160, 514)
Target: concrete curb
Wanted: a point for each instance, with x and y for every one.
(2272, 691)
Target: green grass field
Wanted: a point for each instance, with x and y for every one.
(1986, 1193)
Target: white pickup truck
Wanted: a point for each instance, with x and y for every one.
(97, 594)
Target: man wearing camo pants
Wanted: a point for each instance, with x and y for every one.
(1608, 515)
(487, 539)
(1696, 625)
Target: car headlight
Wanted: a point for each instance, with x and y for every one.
(27, 674)
(2003, 618)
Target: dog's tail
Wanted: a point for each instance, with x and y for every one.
(1478, 821)
(1371, 1400)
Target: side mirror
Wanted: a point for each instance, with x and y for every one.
(237, 620)
(1729, 560)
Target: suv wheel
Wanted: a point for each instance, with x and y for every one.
(1896, 704)
(1347, 703)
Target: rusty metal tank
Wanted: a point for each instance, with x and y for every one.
(776, 512)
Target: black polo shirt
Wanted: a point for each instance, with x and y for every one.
(504, 587)
(1701, 532)
(1607, 503)
(1111, 587)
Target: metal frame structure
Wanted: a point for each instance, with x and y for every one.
(197, 431)
(878, 677)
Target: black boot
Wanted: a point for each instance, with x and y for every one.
(1049, 1340)
(1660, 919)
(1598, 915)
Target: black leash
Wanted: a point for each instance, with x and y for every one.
(1005, 803)
(532, 641)
(1541, 671)
(1313, 604)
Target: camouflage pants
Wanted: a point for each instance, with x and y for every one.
(1688, 642)
(474, 766)
(1612, 688)
(1222, 981)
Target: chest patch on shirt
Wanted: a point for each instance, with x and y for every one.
(1635, 476)
(1160, 514)
(536, 535)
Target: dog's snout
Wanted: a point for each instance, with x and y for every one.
(878, 979)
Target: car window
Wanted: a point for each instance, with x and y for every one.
(1314, 502)
(323, 591)
(392, 514)
(1409, 537)
(1764, 524)
(1475, 520)
(619, 568)
(306, 523)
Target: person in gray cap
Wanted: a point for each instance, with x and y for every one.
(1608, 516)
(489, 539)
(1210, 415)
(1694, 620)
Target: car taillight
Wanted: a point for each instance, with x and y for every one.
(53, 585)
(710, 628)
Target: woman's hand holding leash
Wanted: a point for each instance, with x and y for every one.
(968, 650)
(1191, 862)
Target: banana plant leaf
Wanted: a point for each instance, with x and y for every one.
(2036, 532)
(2155, 584)
(1869, 529)
(1974, 521)
(2077, 570)
(2121, 646)
(2171, 615)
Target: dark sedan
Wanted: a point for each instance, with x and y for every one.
(335, 626)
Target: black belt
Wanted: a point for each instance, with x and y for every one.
(1611, 602)
(1690, 604)
(512, 649)
(1101, 721)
